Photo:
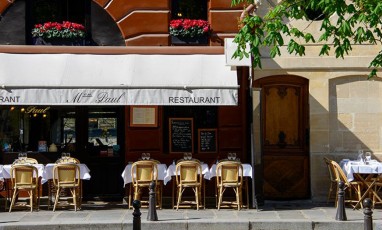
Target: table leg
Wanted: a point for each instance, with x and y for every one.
(172, 196)
(365, 181)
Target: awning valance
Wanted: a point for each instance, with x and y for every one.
(129, 79)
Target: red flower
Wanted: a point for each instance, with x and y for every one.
(189, 27)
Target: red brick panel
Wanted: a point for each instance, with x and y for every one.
(140, 140)
(149, 40)
(144, 23)
(223, 4)
(224, 22)
(120, 8)
(230, 138)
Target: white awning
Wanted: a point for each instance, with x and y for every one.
(128, 79)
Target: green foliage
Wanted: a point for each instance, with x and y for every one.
(359, 22)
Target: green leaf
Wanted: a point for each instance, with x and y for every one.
(324, 50)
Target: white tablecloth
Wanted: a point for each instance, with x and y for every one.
(351, 167)
(6, 170)
(247, 168)
(171, 172)
(126, 174)
(48, 172)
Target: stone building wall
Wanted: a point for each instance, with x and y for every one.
(345, 108)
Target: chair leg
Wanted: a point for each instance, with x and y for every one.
(74, 198)
(237, 198)
(56, 200)
(31, 201)
(197, 198)
(220, 197)
(13, 199)
(179, 197)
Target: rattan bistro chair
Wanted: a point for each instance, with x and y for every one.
(143, 172)
(67, 176)
(353, 188)
(229, 174)
(24, 178)
(188, 174)
(332, 193)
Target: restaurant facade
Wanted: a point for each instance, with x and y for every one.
(128, 91)
(131, 90)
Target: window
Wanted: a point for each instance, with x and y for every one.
(192, 9)
(102, 130)
(41, 11)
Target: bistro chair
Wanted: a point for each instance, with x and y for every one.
(52, 187)
(229, 174)
(24, 178)
(377, 196)
(143, 172)
(333, 182)
(353, 188)
(67, 176)
(188, 174)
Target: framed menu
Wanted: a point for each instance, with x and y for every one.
(144, 116)
(181, 135)
(207, 141)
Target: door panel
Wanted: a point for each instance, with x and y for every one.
(285, 144)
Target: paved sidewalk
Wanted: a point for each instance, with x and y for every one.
(272, 216)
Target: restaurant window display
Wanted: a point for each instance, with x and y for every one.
(34, 128)
(103, 133)
(37, 128)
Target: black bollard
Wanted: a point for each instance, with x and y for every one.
(341, 214)
(136, 215)
(368, 218)
(152, 213)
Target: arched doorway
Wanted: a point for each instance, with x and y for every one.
(285, 136)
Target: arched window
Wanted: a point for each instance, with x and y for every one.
(41, 11)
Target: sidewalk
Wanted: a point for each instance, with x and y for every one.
(272, 216)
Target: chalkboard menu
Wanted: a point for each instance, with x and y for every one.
(207, 140)
(181, 135)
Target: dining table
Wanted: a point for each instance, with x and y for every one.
(48, 172)
(365, 172)
(6, 170)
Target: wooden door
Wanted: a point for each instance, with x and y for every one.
(285, 140)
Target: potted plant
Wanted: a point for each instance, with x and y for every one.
(189, 31)
(55, 33)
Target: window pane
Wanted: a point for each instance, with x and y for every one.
(102, 129)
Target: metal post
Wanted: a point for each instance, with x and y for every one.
(152, 213)
(368, 218)
(137, 215)
(341, 214)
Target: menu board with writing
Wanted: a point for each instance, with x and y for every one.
(181, 135)
(207, 140)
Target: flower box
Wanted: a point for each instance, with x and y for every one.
(54, 33)
(196, 41)
(189, 31)
(58, 42)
